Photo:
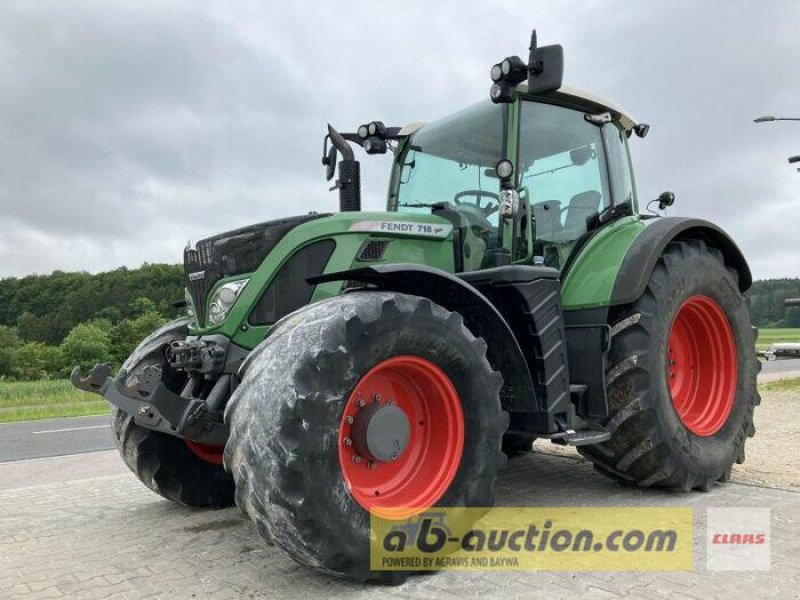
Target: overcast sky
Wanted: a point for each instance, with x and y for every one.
(130, 127)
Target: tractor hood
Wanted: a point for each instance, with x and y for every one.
(232, 253)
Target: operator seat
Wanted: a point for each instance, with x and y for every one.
(581, 207)
(548, 219)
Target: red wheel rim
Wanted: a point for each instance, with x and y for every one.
(211, 453)
(701, 365)
(424, 470)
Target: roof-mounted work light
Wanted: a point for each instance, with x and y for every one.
(544, 72)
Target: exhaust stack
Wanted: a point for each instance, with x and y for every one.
(349, 182)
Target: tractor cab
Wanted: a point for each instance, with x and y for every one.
(525, 177)
(567, 173)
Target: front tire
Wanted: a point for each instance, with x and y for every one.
(184, 472)
(682, 376)
(191, 476)
(294, 422)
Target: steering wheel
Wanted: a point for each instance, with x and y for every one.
(479, 195)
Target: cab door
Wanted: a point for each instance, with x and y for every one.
(563, 167)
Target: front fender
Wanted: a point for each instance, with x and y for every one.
(480, 316)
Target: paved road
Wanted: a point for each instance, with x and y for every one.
(67, 532)
(781, 366)
(54, 437)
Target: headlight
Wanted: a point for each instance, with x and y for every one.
(223, 298)
(189, 305)
(509, 203)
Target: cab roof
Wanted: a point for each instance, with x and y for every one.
(571, 95)
(565, 95)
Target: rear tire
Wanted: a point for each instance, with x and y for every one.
(294, 476)
(517, 443)
(681, 382)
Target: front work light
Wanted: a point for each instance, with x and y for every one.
(496, 72)
(514, 70)
(375, 145)
(504, 169)
(501, 91)
(222, 300)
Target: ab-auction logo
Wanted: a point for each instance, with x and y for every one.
(541, 538)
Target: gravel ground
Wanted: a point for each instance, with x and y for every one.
(772, 456)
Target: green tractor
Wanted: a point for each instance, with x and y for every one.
(337, 365)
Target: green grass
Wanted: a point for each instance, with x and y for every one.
(767, 337)
(782, 385)
(27, 400)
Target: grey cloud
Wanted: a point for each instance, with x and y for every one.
(129, 127)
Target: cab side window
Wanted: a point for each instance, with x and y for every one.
(562, 164)
(619, 167)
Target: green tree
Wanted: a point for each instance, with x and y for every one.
(9, 342)
(32, 328)
(36, 360)
(142, 306)
(793, 316)
(128, 333)
(86, 345)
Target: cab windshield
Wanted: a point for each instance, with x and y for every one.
(451, 161)
(449, 165)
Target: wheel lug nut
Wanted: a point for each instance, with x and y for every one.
(361, 403)
(390, 401)
(348, 442)
(356, 458)
(348, 419)
(376, 397)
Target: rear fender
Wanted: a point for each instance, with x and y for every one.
(613, 266)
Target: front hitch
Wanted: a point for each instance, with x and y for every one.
(156, 406)
(95, 382)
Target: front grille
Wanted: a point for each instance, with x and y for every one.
(372, 250)
(233, 253)
(289, 289)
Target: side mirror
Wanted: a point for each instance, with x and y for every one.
(546, 69)
(665, 199)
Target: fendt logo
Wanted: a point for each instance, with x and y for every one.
(404, 228)
(196, 276)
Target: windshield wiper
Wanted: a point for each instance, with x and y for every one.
(436, 205)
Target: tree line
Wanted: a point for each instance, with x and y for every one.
(765, 299)
(50, 323)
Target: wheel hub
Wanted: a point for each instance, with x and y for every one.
(702, 365)
(381, 431)
(401, 436)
